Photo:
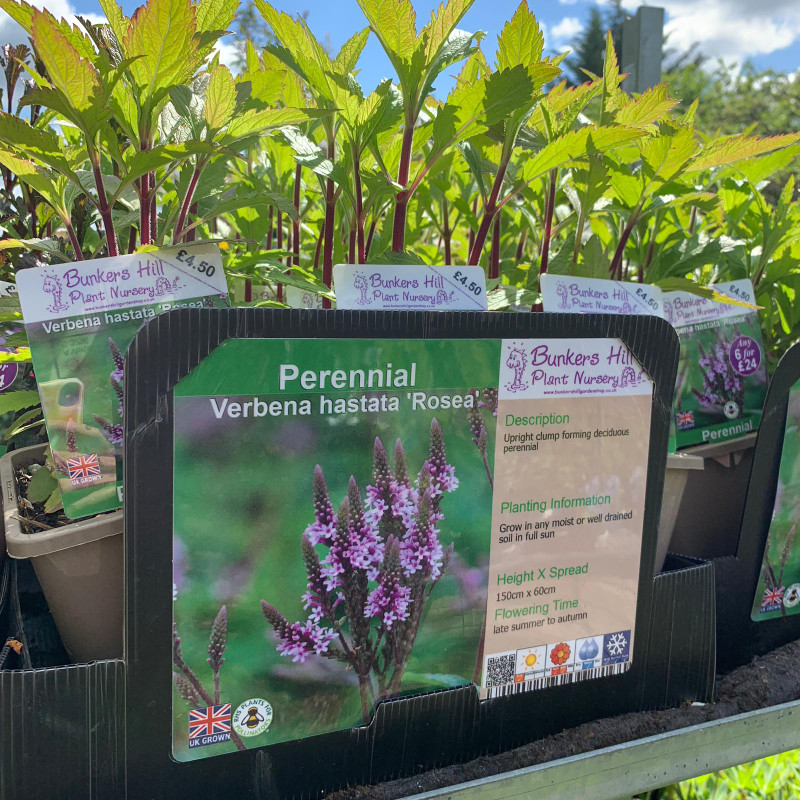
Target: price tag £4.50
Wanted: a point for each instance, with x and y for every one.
(410, 286)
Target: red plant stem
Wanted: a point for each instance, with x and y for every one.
(359, 191)
(280, 247)
(616, 263)
(494, 258)
(471, 243)
(329, 231)
(351, 247)
(269, 227)
(76, 245)
(132, 239)
(187, 202)
(523, 239)
(144, 209)
(692, 219)
(401, 201)
(549, 212)
(370, 237)
(154, 211)
(447, 234)
(105, 211)
(191, 234)
(488, 216)
(298, 176)
(318, 250)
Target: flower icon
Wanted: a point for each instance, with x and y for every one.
(560, 653)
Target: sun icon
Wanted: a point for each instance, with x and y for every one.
(530, 660)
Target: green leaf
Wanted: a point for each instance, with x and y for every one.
(735, 148)
(41, 485)
(16, 401)
(345, 62)
(73, 76)
(162, 32)
(213, 17)
(253, 122)
(117, 21)
(220, 98)
(309, 154)
(394, 22)
(24, 422)
(55, 502)
(521, 41)
(438, 32)
(507, 296)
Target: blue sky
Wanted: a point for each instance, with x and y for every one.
(766, 32)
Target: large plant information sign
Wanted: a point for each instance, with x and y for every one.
(395, 517)
(80, 318)
(722, 375)
(778, 591)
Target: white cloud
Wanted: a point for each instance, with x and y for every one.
(731, 29)
(568, 2)
(228, 54)
(567, 29)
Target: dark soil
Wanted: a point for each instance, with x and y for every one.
(33, 518)
(767, 681)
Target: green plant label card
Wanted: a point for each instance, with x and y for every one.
(722, 375)
(80, 319)
(395, 517)
(778, 591)
(564, 294)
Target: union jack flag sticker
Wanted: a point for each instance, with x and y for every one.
(685, 420)
(83, 469)
(210, 725)
(773, 599)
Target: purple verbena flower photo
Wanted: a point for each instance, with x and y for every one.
(370, 568)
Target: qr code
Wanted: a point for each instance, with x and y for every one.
(500, 670)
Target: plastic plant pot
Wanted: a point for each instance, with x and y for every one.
(79, 567)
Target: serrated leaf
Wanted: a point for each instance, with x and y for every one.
(22, 13)
(73, 76)
(16, 401)
(259, 122)
(735, 148)
(162, 33)
(220, 98)
(506, 296)
(213, 17)
(575, 144)
(309, 154)
(394, 22)
(347, 58)
(117, 21)
(441, 27)
(24, 422)
(647, 109)
(521, 40)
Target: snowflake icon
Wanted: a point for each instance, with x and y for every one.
(616, 644)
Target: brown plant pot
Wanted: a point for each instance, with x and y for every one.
(79, 567)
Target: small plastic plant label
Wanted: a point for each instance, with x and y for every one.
(80, 318)
(396, 517)
(410, 286)
(564, 294)
(778, 590)
(722, 375)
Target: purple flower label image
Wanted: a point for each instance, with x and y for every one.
(371, 566)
